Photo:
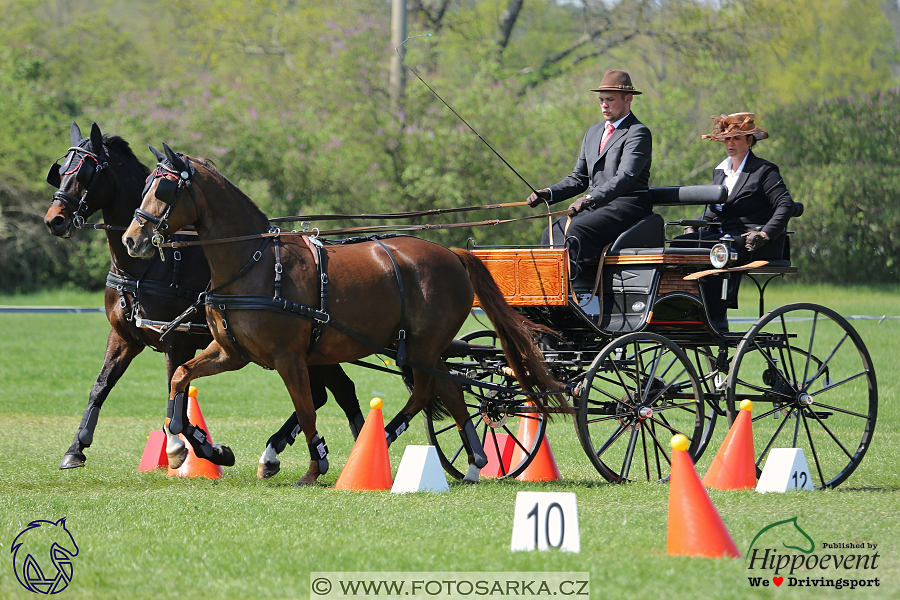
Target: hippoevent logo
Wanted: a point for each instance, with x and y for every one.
(42, 556)
(782, 553)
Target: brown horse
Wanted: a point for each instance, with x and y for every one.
(400, 292)
(102, 173)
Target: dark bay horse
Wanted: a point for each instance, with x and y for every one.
(398, 292)
(102, 173)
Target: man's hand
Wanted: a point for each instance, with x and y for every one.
(538, 197)
(580, 204)
(755, 240)
(688, 230)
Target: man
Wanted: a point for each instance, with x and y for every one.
(614, 169)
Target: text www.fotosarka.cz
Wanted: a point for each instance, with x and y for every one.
(411, 585)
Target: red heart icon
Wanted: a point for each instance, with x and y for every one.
(778, 580)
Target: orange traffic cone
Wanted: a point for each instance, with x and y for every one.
(543, 466)
(695, 528)
(154, 452)
(733, 467)
(368, 467)
(498, 462)
(195, 466)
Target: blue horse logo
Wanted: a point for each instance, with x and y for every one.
(42, 556)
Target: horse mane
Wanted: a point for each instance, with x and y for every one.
(120, 146)
(211, 167)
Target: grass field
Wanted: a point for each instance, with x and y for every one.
(143, 535)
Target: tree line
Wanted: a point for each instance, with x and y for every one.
(290, 99)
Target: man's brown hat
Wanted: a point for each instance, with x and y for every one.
(735, 125)
(616, 81)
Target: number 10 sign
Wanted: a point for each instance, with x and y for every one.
(546, 521)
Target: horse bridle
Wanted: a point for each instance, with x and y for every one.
(85, 174)
(171, 181)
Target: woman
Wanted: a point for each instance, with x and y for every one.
(758, 205)
(755, 213)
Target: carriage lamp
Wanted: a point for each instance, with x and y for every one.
(722, 254)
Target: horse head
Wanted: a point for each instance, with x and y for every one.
(787, 534)
(82, 187)
(161, 213)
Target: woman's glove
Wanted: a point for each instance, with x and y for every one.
(755, 240)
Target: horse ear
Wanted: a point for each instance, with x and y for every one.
(159, 155)
(75, 134)
(97, 140)
(174, 159)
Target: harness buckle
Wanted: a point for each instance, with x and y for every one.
(177, 255)
(257, 255)
(401, 335)
(324, 321)
(78, 220)
(324, 278)
(278, 268)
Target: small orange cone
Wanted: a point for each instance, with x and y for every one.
(695, 528)
(733, 467)
(154, 452)
(543, 466)
(193, 465)
(368, 468)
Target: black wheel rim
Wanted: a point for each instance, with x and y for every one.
(813, 386)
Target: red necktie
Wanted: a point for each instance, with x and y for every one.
(606, 136)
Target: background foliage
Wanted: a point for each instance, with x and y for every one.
(290, 99)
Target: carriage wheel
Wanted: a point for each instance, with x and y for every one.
(712, 384)
(812, 383)
(639, 392)
(494, 414)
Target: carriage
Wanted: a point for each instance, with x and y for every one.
(635, 349)
(642, 360)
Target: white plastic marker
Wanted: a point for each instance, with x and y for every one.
(420, 471)
(786, 469)
(546, 521)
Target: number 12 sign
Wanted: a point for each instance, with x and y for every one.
(546, 521)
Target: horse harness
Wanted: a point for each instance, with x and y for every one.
(86, 170)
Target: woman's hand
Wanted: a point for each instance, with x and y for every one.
(755, 240)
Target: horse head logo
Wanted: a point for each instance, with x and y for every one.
(42, 556)
(783, 532)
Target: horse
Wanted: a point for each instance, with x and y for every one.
(102, 173)
(398, 292)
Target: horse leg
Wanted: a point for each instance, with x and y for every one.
(214, 359)
(344, 391)
(451, 395)
(296, 379)
(178, 352)
(119, 354)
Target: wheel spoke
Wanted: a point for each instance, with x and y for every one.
(828, 431)
(659, 448)
(611, 440)
(646, 458)
(841, 410)
(767, 413)
(761, 390)
(812, 448)
(601, 419)
(629, 452)
(784, 421)
(842, 382)
(827, 360)
(788, 342)
(796, 429)
(812, 336)
(665, 423)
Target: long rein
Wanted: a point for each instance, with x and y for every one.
(315, 232)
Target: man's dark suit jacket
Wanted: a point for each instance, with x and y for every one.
(759, 198)
(622, 168)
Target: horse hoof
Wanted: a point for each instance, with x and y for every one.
(304, 481)
(223, 456)
(72, 461)
(471, 475)
(177, 458)
(266, 470)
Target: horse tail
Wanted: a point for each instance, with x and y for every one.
(516, 334)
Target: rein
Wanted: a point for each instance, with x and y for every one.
(368, 229)
(397, 215)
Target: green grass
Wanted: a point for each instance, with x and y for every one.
(143, 535)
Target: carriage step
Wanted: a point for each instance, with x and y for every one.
(462, 349)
